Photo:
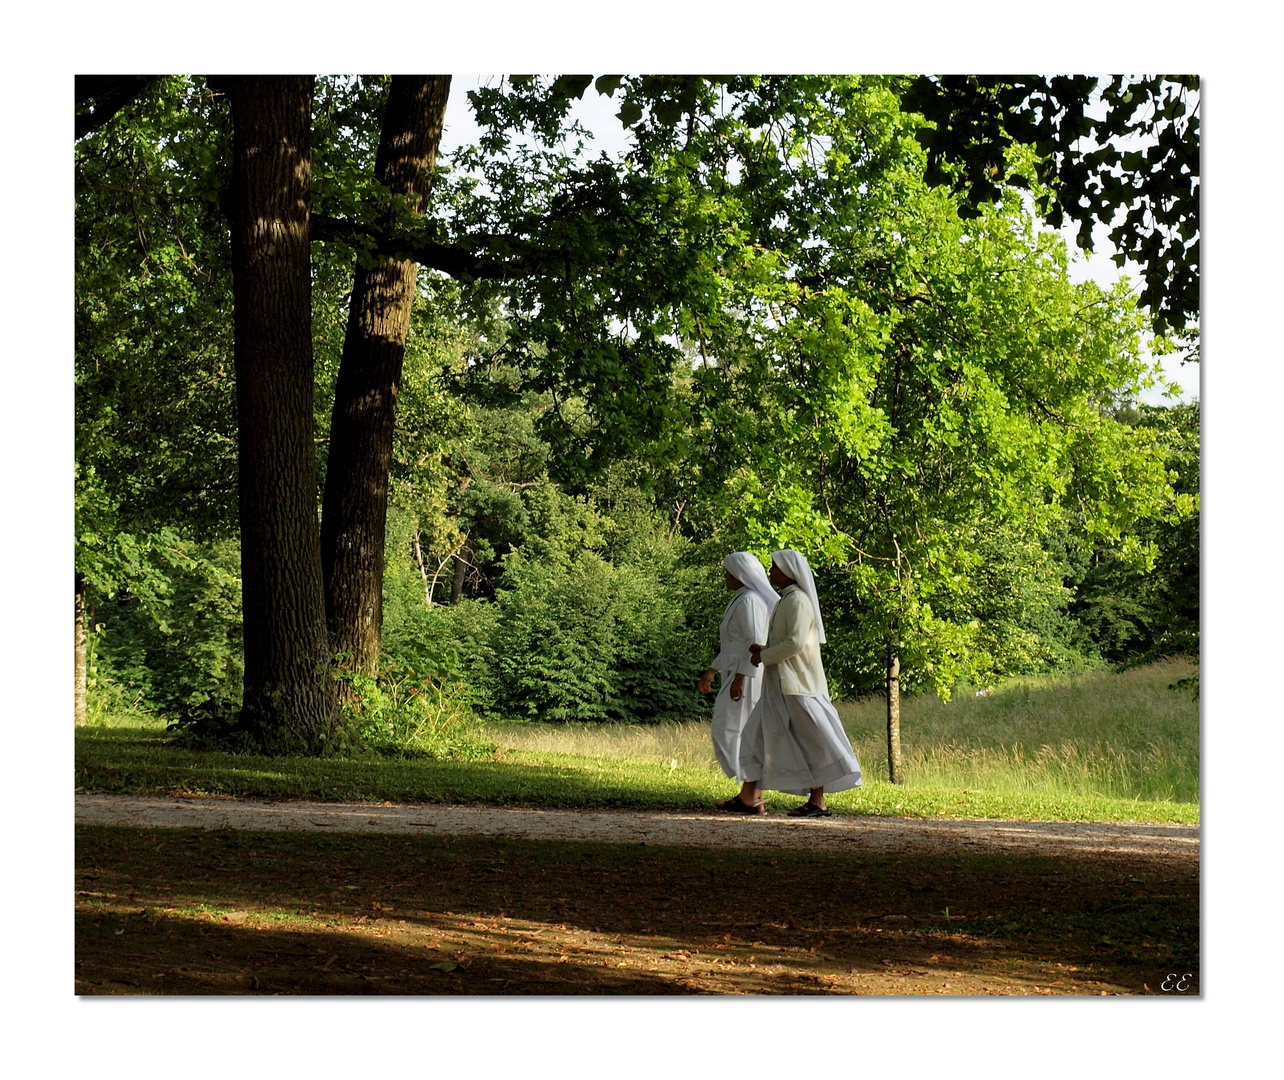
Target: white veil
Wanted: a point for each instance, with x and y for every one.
(745, 568)
(794, 565)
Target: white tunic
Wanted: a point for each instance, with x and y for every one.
(794, 742)
(743, 624)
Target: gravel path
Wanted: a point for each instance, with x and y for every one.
(689, 828)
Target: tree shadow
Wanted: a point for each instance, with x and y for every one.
(194, 912)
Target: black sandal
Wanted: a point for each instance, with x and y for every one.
(810, 809)
(736, 805)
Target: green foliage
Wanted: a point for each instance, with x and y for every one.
(759, 327)
(399, 713)
(155, 402)
(592, 618)
(1138, 604)
(447, 641)
(1100, 146)
(183, 659)
(910, 387)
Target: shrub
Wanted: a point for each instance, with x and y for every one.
(583, 639)
(188, 660)
(399, 713)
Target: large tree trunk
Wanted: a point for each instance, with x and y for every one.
(82, 658)
(894, 717)
(365, 405)
(288, 699)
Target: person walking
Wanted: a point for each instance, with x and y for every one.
(793, 741)
(744, 622)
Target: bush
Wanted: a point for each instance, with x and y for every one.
(399, 713)
(187, 661)
(598, 615)
(583, 639)
(452, 642)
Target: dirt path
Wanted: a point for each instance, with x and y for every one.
(842, 834)
(294, 897)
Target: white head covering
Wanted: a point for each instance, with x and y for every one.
(745, 568)
(794, 565)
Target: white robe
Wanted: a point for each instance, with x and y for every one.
(743, 624)
(794, 743)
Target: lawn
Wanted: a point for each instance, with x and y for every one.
(1100, 747)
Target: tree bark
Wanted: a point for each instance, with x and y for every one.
(462, 561)
(894, 717)
(356, 492)
(82, 655)
(288, 699)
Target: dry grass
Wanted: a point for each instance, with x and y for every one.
(1125, 736)
(1118, 736)
(678, 746)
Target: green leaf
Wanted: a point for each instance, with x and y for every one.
(571, 86)
(668, 112)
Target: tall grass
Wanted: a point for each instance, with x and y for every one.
(674, 745)
(1113, 736)
(109, 705)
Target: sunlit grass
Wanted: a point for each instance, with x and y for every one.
(684, 746)
(1117, 736)
(1103, 735)
(1094, 748)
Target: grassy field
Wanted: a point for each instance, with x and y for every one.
(1101, 747)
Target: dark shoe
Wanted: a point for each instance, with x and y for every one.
(736, 806)
(810, 809)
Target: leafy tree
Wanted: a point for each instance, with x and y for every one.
(155, 420)
(1084, 131)
(849, 329)
(895, 382)
(1134, 606)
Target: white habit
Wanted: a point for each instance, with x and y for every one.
(793, 741)
(744, 624)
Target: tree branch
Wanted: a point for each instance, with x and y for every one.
(456, 261)
(100, 97)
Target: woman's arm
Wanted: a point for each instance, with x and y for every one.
(795, 623)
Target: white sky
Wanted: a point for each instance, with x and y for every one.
(596, 112)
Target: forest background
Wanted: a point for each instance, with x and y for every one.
(761, 327)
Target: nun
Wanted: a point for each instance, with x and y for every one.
(793, 741)
(744, 622)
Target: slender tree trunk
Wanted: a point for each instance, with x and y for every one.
(356, 491)
(288, 698)
(894, 717)
(461, 568)
(82, 655)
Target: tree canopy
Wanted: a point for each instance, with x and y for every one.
(812, 311)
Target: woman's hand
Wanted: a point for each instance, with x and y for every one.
(755, 655)
(706, 681)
